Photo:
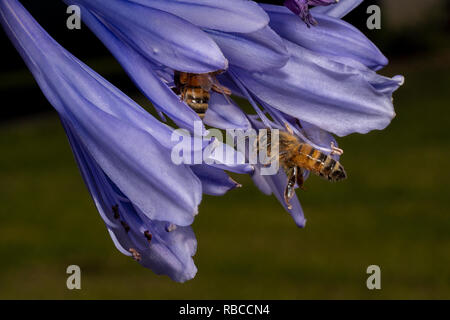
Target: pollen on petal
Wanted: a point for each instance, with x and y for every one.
(148, 236)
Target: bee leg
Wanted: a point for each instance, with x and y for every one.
(300, 180)
(182, 95)
(336, 150)
(227, 97)
(289, 129)
(289, 192)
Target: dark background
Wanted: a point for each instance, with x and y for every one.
(393, 211)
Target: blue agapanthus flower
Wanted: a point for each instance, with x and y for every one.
(124, 154)
(318, 82)
(328, 85)
(152, 38)
(329, 79)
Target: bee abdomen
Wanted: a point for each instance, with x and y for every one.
(320, 163)
(332, 170)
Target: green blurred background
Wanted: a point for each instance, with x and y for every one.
(393, 211)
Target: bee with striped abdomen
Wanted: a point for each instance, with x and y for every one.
(296, 156)
(194, 89)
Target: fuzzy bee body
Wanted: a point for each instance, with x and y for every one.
(294, 153)
(194, 89)
(296, 156)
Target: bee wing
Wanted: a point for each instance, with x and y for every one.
(205, 82)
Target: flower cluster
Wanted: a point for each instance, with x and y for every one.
(318, 82)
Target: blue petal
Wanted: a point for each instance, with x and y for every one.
(128, 144)
(338, 10)
(165, 255)
(223, 156)
(332, 36)
(159, 36)
(215, 181)
(222, 113)
(141, 72)
(228, 16)
(330, 95)
(276, 184)
(381, 83)
(168, 253)
(256, 51)
(318, 136)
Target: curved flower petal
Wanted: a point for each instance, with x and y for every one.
(159, 36)
(327, 94)
(215, 181)
(256, 51)
(222, 113)
(168, 253)
(332, 36)
(140, 70)
(276, 184)
(125, 141)
(338, 10)
(227, 16)
(381, 83)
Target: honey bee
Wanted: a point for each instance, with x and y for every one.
(296, 156)
(194, 89)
